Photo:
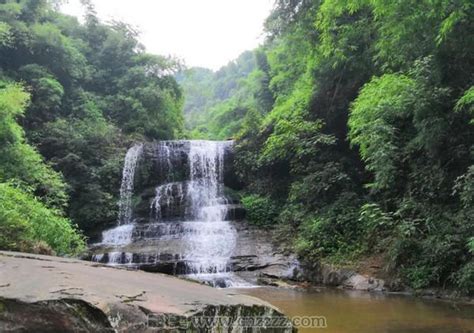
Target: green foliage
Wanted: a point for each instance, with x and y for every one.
(382, 104)
(466, 103)
(368, 140)
(89, 155)
(25, 222)
(430, 246)
(261, 211)
(93, 91)
(48, 43)
(331, 232)
(19, 160)
(13, 102)
(403, 125)
(405, 31)
(470, 245)
(464, 278)
(5, 34)
(217, 102)
(464, 186)
(294, 138)
(376, 224)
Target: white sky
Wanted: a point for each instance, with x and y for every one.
(206, 33)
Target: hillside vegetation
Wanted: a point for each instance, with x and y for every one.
(72, 98)
(355, 133)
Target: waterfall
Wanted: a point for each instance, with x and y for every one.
(122, 234)
(187, 230)
(211, 239)
(126, 189)
(208, 239)
(206, 159)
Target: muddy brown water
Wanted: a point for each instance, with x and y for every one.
(361, 312)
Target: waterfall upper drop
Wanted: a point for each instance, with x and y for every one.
(128, 177)
(174, 216)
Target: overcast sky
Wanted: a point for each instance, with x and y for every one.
(206, 33)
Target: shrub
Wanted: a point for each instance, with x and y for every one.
(260, 210)
(28, 225)
(331, 233)
(464, 278)
(376, 224)
(433, 249)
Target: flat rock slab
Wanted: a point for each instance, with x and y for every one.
(42, 293)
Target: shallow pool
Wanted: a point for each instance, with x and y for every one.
(361, 312)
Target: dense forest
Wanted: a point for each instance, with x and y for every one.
(353, 125)
(354, 133)
(216, 103)
(73, 97)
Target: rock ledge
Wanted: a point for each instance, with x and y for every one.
(43, 293)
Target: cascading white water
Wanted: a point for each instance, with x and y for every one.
(122, 234)
(205, 169)
(126, 189)
(188, 219)
(208, 239)
(211, 243)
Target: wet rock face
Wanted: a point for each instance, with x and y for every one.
(152, 172)
(365, 283)
(49, 294)
(230, 176)
(169, 164)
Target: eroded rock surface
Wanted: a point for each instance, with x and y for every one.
(257, 256)
(333, 276)
(43, 293)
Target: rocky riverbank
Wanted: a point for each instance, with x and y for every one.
(43, 293)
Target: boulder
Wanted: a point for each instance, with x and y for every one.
(43, 293)
(364, 283)
(333, 276)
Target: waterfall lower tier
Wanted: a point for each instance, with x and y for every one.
(176, 247)
(174, 215)
(195, 249)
